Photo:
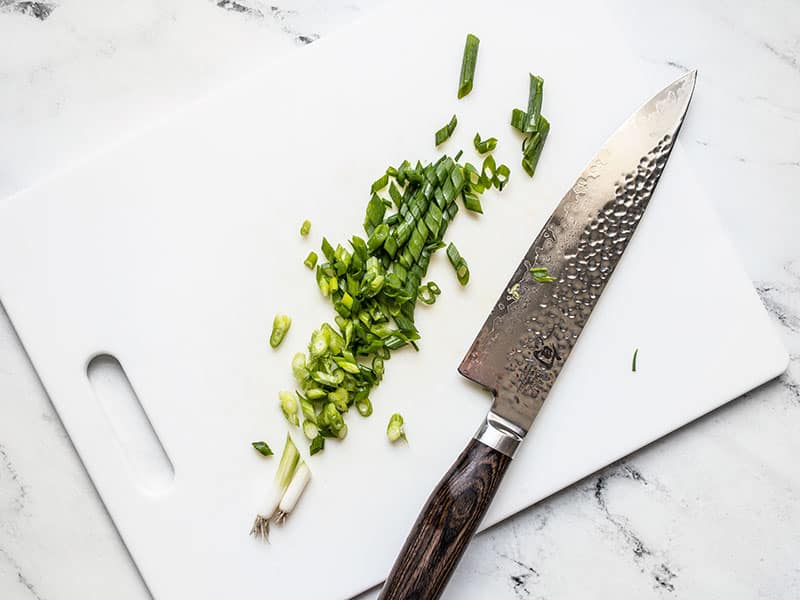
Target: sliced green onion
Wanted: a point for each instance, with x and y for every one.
(533, 150)
(376, 208)
(446, 131)
(468, 62)
(484, 146)
(633, 363)
(332, 417)
(340, 398)
(280, 325)
(289, 406)
(488, 171)
(518, 119)
(364, 406)
(374, 285)
(513, 291)
(377, 366)
(265, 450)
(395, 430)
(305, 227)
(327, 250)
(459, 264)
(540, 274)
(501, 176)
(299, 369)
(380, 183)
(307, 408)
(427, 293)
(378, 237)
(534, 103)
(317, 445)
(311, 260)
(472, 202)
(310, 430)
(462, 272)
(314, 393)
(283, 477)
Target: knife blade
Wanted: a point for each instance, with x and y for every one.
(533, 327)
(528, 336)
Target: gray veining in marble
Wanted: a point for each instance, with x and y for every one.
(712, 511)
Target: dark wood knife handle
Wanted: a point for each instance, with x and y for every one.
(446, 525)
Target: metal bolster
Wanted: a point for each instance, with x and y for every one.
(500, 434)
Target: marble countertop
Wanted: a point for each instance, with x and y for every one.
(712, 511)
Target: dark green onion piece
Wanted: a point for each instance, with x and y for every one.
(484, 146)
(280, 325)
(265, 450)
(305, 227)
(311, 260)
(446, 131)
(317, 444)
(462, 272)
(633, 363)
(472, 202)
(488, 171)
(380, 183)
(459, 264)
(468, 63)
(453, 254)
(541, 275)
(534, 103)
(518, 119)
(375, 211)
(394, 194)
(501, 176)
(533, 149)
(327, 250)
(457, 157)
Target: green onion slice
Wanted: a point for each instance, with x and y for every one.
(395, 429)
(518, 119)
(311, 260)
(468, 62)
(317, 444)
(280, 325)
(541, 275)
(484, 146)
(446, 131)
(534, 103)
(265, 450)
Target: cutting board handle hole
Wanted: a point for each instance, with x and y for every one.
(147, 460)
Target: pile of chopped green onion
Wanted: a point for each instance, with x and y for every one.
(374, 285)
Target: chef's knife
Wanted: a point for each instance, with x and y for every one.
(522, 346)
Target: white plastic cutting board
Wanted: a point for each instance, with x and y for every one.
(174, 250)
